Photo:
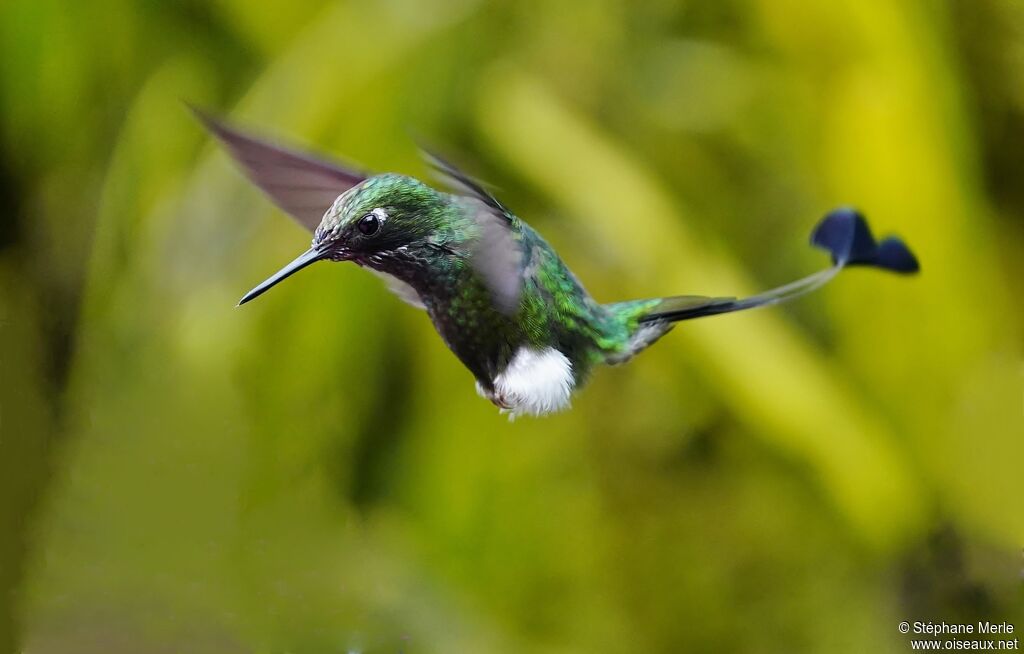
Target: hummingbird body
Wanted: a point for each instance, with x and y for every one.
(501, 298)
(524, 326)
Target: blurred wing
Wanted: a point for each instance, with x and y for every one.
(466, 185)
(497, 253)
(405, 292)
(497, 256)
(302, 185)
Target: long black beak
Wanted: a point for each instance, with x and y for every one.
(306, 258)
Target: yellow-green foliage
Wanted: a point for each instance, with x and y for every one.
(314, 473)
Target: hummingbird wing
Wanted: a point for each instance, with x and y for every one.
(405, 292)
(844, 233)
(497, 252)
(497, 256)
(303, 185)
(465, 184)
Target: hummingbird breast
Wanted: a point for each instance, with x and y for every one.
(460, 306)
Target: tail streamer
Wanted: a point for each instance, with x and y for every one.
(844, 233)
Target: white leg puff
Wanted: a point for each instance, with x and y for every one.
(536, 382)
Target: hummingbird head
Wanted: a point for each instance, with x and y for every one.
(369, 223)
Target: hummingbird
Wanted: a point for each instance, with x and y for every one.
(499, 295)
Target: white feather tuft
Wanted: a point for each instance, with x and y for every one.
(536, 382)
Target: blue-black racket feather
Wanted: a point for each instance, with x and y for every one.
(847, 237)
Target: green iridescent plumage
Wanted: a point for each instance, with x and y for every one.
(498, 294)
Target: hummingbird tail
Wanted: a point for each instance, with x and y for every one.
(843, 232)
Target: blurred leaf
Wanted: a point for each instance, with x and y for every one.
(314, 473)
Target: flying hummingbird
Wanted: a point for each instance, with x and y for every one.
(501, 298)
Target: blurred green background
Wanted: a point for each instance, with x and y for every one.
(314, 473)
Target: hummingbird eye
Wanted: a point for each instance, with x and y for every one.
(368, 224)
